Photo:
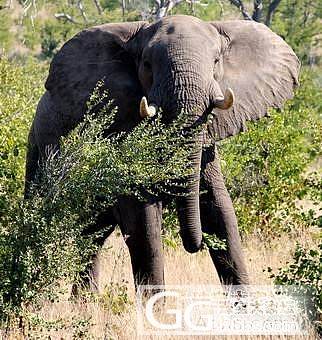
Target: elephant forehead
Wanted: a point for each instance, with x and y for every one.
(181, 20)
(182, 27)
(182, 45)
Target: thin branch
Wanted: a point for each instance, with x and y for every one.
(65, 16)
(271, 9)
(222, 12)
(158, 3)
(123, 9)
(164, 7)
(258, 9)
(81, 9)
(98, 7)
(239, 4)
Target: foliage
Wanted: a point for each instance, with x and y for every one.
(36, 327)
(42, 240)
(264, 167)
(115, 298)
(213, 242)
(299, 23)
(20, 89)
(305, 271)
(47, 25)
(53, 34)
(208, 10)
(170, 232)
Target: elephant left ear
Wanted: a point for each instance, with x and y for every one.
(260, 68)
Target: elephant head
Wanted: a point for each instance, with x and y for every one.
(234, 69)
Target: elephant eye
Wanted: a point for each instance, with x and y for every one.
(217, 61)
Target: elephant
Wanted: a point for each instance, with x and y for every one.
(232, 70)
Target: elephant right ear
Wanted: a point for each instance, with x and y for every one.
(97, 53)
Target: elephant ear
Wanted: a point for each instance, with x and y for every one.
(261, 69)
(94, 54)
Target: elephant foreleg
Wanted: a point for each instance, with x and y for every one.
(141, 228)
(218, 217)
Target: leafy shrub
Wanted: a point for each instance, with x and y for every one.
(41, 240)
(305, 271)
(20, 89)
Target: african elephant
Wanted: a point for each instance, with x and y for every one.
(234, 70)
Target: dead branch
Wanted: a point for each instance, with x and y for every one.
(98, 6)
(82, 11)
(123, 9)
(258, 9)
(271, 9)
(222, 12)
(65, 16)
(239, 4)
(163, 7)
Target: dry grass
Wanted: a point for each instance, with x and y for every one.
(112, 317)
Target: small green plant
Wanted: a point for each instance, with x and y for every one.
(213, 242)
(305, 271)
(115, 298)
(36, 327)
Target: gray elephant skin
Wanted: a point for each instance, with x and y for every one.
(235, 70)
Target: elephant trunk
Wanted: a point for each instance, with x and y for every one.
(188, 206)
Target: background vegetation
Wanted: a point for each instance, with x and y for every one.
(270, 170)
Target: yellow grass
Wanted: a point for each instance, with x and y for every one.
(110, 318)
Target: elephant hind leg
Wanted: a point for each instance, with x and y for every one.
(218, 217)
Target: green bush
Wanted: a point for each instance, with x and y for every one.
(20, 89)
(305, 271)
(53, 35)
(41, 240)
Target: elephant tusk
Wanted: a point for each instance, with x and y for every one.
(147, 110)
(228, 101)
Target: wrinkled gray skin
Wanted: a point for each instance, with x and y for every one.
(178, 63)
